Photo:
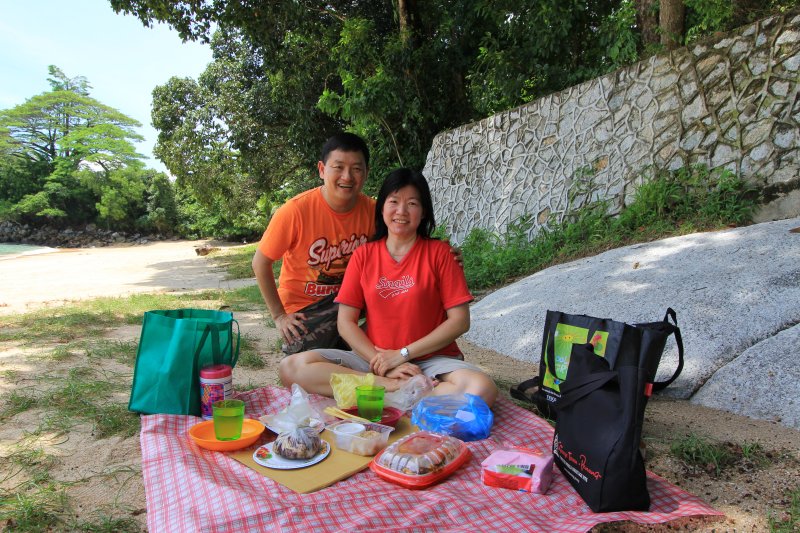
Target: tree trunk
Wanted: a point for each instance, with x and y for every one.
(647, 20)
(670, 18)
(408, 18)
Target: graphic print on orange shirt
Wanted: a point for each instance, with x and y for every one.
(330, 260)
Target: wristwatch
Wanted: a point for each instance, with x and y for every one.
(404, 352)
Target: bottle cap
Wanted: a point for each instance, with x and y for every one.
(215, 371)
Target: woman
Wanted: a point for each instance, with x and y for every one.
(416, 302)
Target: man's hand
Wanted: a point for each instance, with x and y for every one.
(404, 371)
(291, 327)
(457, 254)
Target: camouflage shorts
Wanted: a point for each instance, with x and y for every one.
(322, 332)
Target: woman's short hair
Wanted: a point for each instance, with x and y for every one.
(396, 180)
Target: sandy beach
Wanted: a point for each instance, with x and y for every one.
(32, 281)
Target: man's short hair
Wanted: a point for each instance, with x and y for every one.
(346, 142)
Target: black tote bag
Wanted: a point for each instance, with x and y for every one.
(609, 339)
(600, 404)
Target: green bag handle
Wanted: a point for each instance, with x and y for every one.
(238, 342)
(216, 351)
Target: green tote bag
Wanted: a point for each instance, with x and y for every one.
(173, 347)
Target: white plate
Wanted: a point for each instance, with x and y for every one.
(273, 460)
(319, 425)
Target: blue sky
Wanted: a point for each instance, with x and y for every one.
(122, 60)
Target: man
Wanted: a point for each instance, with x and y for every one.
(315, 233)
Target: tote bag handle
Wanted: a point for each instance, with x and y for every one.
(235, 356)
(216, 351)
(575, 389)
(660, 385)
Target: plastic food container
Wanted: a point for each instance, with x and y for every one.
(360, 439)
(216, 383)
(420, 459)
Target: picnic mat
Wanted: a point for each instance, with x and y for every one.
(192, 489)
(337, 466)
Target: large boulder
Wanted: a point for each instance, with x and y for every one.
(733, 290)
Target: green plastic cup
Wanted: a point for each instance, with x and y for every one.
(369, 399)
(228, 419)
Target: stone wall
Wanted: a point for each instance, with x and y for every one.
(730, 102)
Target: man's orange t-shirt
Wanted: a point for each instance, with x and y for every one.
(315, 243)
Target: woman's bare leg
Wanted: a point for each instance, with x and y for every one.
(313, 372)
(467, 381)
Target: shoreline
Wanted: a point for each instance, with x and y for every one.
(35, 250)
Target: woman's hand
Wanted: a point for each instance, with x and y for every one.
(404, 371)
(385, 360)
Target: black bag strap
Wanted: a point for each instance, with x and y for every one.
(575, 389)
(661, 385)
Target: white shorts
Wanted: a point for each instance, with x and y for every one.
(432, 367)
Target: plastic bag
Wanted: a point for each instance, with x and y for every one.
(344, 388)
(464, 416)
(298, 413)
(410, 393)
(303, 442)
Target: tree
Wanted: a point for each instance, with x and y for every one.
(670, 19)
(62, 148)
(120, 196)
(286, 75)
(647, 20)
(66, 122)
(160, 205)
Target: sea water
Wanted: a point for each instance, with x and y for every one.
(11, 249)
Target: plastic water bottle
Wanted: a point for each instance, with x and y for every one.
(216, 383)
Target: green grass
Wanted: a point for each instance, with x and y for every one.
(248, 356)
(790, 523)
(37, 503)
(699, 452)
(16, 402)
(107, 524)
(237, 262)
(36, 510)
(92, 318)
(121, 351)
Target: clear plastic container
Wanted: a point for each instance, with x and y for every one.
(420, 459)
(360, 439)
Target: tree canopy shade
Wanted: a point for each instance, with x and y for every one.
(286, 75)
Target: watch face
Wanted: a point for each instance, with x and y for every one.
(404, 352)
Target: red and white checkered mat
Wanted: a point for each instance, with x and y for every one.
(192, 489)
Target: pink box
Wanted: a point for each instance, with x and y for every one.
(518, 469)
